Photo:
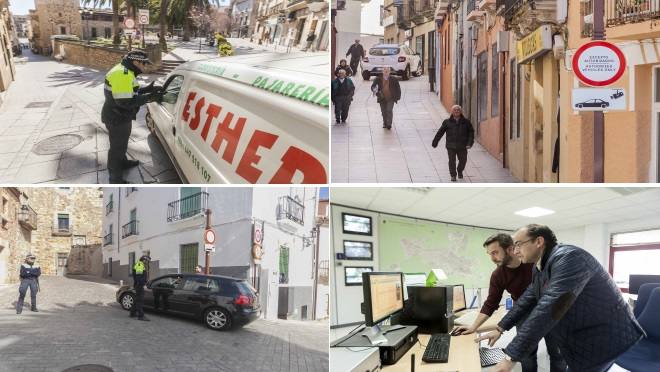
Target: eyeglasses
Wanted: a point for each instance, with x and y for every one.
(518, 244)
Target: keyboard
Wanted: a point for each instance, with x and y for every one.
(490, 357)
(467, 319)
(437, 350)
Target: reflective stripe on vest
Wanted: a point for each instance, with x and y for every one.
(121, 82)
(138, 268)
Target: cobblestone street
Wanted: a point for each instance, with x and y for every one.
(80, 323)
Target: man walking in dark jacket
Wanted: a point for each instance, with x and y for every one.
(573, 299)
(123, 98)
(460, 138)
(342, 95)
(388, 92)
(356, 51)
(29, 279)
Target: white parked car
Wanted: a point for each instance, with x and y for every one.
(246, 119)
(400, 58)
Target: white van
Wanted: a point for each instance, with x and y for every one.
(247, 119)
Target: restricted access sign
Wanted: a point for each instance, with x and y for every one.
(209, 236)
(143, 16)
(129, 23)
(599, 63)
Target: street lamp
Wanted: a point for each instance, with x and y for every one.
(85, 14)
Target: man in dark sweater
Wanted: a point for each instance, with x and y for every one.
(342, 94)
(356, 51)
(514, 276)
(460, 138)
(573, 299)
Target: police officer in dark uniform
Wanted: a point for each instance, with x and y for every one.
(29, 279)
(123, 98)
(140, 277)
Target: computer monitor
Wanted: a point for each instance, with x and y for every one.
(383, 295)
(637, 280)
(459, 298)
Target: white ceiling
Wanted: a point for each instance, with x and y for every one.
(495, 206)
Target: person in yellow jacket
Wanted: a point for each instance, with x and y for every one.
(123, 98)
(140, 277)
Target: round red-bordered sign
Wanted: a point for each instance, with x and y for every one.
(209, 236)
(599, 83)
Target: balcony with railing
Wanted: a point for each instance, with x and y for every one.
(638, 15)
(109, 207)
(474, 14)
(416, 12)
(107, 240)
(61, 229)
(27, 217)
(130, 229)
(290, 209)
(187, 207)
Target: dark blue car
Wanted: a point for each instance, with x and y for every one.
(221, 302)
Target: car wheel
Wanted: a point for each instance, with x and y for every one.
(127, 301)
(603, 105)
(218, 319)
(151, 124)
(579, 106)
(366, 75)
(406, 73)
(419, 71)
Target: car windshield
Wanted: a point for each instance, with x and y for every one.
(245, 288)
(383, 51)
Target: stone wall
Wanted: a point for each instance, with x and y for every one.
(85, 260)
(84, 207)
(103, 58)
(78, 53)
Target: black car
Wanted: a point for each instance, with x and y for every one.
(593, 103)
(220, 301)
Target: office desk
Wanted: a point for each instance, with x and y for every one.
(463, 352)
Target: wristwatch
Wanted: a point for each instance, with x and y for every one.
(507, 357)
(499, 329)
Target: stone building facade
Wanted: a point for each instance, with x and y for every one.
(54, 17)
(7, 70)
(17, 227)
(68, 230)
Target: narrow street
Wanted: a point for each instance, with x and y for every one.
(79, 322)
(363, 151)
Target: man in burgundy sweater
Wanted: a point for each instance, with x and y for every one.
(514, 276)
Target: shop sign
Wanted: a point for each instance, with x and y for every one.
(535, 44)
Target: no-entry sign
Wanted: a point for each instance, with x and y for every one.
(599, 63)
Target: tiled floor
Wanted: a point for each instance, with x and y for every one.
(362, 151)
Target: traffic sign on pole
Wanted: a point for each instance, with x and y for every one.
(143, 16)
(599, 63)
(129, 23)
(209, 236)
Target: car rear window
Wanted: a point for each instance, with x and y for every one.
(245, 288)
(383, 51)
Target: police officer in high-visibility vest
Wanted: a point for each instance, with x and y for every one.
(123, 98)
(29, 279)
(140, 274)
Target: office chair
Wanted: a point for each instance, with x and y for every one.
(643, 297)
(644, 355)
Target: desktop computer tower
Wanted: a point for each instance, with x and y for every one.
(429, 308)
